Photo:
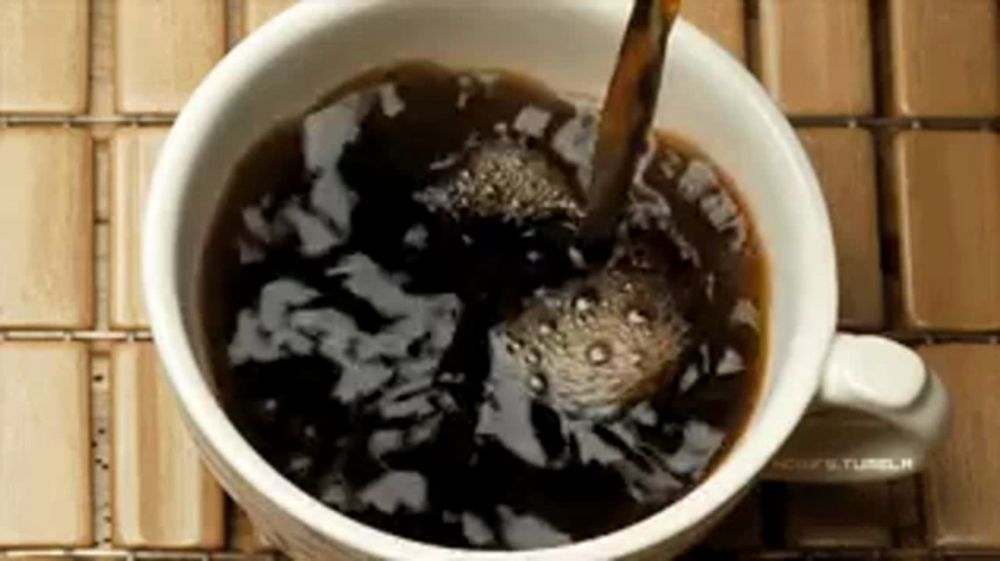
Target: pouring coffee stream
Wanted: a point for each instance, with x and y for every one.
(627, 115)
(594, 354)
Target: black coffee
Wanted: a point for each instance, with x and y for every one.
(401, 320)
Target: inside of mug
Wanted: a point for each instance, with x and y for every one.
(707, 99)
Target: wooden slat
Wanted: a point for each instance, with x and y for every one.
(844, 160)
(907, 511)
(44, 445)
(45, 228)
(742, 528)
(102, 62)
(257, 12)
(839, 516)
(134, 154)
(944, 57)
(723, 20)
(35, 556)
(815, 56)
(163, 48)
(243, 536)
(962, 484)
(947, 205)
(162, 494)
(43, 56)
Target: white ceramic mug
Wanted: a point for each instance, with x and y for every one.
(879, 408)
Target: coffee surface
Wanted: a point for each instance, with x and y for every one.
(400, 319)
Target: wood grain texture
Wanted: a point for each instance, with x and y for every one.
(815, 56)
(946, 188)
(722, 20)
(844, 160)
(839, 516)
(134, 153)
(44, 445)
(944, 57)
(43, 56)
(46, 248)
(257, 12)
(163, 48)
(962, 483)
(162, 494)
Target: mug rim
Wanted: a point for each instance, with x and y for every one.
(213, 428)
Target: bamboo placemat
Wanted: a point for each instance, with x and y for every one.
(897, 101)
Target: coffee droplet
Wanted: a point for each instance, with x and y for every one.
(583, 304)
(267, 409)
(598, 354)
(534, 358)
(309, 432)
(637, 317)
(538, 383)
(299, 465)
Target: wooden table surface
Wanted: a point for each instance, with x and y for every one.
(896, 101)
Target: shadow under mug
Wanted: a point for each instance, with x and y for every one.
(833, 407)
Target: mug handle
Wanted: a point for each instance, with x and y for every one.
(878, 412)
